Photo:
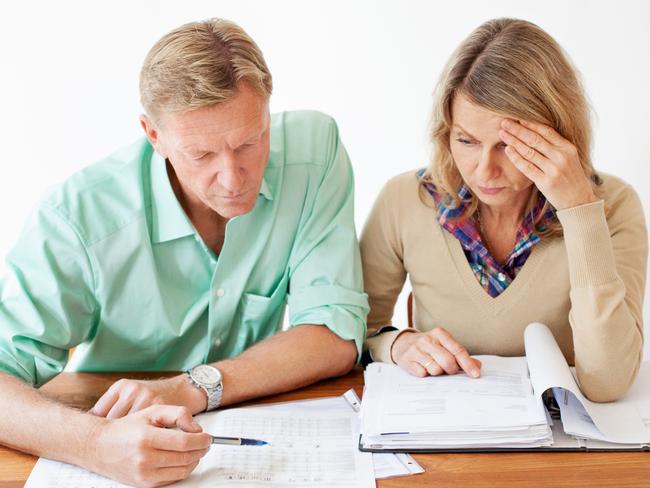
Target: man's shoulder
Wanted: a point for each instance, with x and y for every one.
(303, 137)
(104, 196)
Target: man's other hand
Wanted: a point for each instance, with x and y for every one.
(128, 396)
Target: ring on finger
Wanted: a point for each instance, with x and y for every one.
(426, 365)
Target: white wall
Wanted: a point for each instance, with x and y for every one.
(69, 78)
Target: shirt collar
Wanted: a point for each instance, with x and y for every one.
(265, 189)
(169, 220)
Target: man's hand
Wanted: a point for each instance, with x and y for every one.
(128, 396)
(433, 353)
(139, 450)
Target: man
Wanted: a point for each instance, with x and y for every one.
(179, 253)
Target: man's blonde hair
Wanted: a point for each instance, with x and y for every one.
(200, 64)
(513, 68)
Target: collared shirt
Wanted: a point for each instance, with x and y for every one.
(110, 263)
(493, 276)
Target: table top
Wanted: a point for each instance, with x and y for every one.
(550, 469)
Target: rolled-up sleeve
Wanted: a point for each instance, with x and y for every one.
(326, 282)
(46, 300)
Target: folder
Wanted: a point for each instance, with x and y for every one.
(530, 403)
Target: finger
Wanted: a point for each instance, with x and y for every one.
(464, 360)
(528, 136)
(528, 169)
(172, 416)
(120, 408)
(143, 401)
(419, 354)
(527, 152)
(171, 474)
(444, 358)
(105, 403)
(176, 440)
(165, 459)
(416, 369)
(547, 132)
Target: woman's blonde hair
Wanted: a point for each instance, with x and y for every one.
(514, 68)
(200, 64)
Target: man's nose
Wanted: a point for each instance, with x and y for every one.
(231, 174)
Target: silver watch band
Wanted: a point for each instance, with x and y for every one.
(212, 390)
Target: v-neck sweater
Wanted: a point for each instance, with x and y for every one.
(586, 286)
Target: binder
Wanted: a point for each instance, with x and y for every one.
(512, 416)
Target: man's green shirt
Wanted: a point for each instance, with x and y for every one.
(110, 263)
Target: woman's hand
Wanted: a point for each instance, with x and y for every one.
(548, 160)
(433, 353)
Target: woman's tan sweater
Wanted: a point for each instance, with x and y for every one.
(587, 287)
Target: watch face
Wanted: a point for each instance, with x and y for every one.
(206, 375)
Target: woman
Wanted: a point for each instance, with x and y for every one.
(509, 224)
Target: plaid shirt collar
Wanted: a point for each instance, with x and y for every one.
(492, 275)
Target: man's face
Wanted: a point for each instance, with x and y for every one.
(218, 153)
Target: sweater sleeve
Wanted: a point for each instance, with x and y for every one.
(383, 270)
(607, 257)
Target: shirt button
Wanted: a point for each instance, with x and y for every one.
(221, 292)
(501, 277)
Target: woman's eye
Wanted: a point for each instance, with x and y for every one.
(464, 141)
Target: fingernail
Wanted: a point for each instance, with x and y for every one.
(474, 373)
(506, 123)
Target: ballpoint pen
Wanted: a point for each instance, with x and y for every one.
(237, 441)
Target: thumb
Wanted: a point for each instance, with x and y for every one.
(172, 416)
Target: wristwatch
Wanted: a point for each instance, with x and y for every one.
(209, 379)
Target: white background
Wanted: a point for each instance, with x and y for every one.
(69, 78)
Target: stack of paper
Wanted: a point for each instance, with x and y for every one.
(497, 410)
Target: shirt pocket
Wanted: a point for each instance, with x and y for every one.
(259, 316)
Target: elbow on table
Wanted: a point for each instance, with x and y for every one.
(606, 385)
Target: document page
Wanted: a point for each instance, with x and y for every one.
(623, 421)
(314, 449)
(305, 449)
(396, 402)
(386, 465)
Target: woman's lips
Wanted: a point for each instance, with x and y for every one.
(490, 191)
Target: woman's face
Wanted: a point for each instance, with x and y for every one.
(479, 154)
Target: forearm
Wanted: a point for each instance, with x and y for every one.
(608, 341)
(286, 361)
(34, 424)
(606, 306)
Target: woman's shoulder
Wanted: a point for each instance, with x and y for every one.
(617, 193)
(403, 188)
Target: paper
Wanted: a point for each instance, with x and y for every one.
(621, 421)
(386, 465)
(391, 465)
(312, 448)
(306, 448)
(396, 401)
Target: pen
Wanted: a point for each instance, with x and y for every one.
(237, 441)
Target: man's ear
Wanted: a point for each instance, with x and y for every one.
(151, 132)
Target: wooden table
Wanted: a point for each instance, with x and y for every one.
(620, 470)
